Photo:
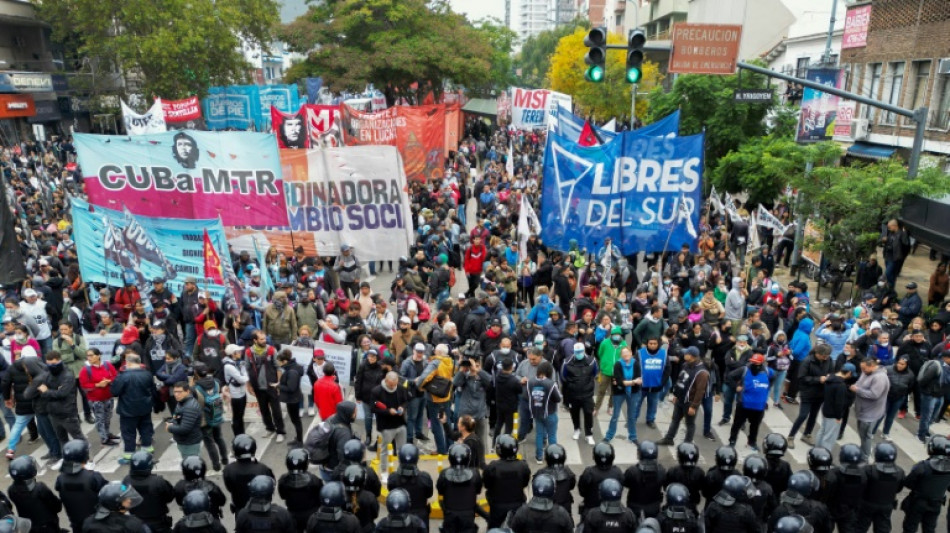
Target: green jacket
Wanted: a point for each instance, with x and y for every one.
(608, 354)
(74, 356)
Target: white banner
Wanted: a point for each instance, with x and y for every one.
(153, 121)
(768, 220)
(105, 343)
(536, 108)
(341, 355)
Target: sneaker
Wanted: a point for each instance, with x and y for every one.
(423, 438)
(33, 438)
(371, 447)
(791, 401)
(125, 460)
(808, 440)
(709, 436)
(590, 440)
(110, 442)
(778, 406)
(56, 466)
(10, 454)
(791, 443)
(577, 434)
(901, 414)
(280, 438)
(113, 436)
(635, 442)
(90, 419)
(664, 442)
(310, 411)
(539, 461)
(724, 421)
(921, 439)
(384, 478)
(732, 444)
(886, 437)
(651, 425)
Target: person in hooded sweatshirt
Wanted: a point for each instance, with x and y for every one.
(834, 406)
(902, 381)
(298, 486)
(290, 372)
(198, 517)
(813, 373)
(800, 346)
(78, 487)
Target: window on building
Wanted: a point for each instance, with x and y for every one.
(872, 88)
(801, 67)
(894, 86)
(940, 103)
(917, 93)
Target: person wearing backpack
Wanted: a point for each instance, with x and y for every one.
(207, 391)
(325, 442)
(94, 378)
(436, 380)
(210, 349)
(288, 383)
(933, 381)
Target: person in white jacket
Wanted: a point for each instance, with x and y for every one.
(236, 378)
(35, 307)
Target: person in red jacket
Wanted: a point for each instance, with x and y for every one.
(94, 378)
(126, 298)
(475, 256)
(327, 392)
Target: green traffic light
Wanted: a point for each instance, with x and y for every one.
(634, 74)
(595, 73)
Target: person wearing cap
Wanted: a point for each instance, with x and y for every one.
(347, 267)
(102, 304)
(752, 384)
(410, 369)
(280, 321)
(34, 307)
(161, 311)
(402, 339)
(262, 370)
(335, 333)
(689, 390)
(236, 378)
(553, 329)
(188, 305)
(910, 305)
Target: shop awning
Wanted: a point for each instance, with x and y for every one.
(481, 106)
(875, 152)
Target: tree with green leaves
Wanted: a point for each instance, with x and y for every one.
(532, 62)
(411, 47)
(705, 102)
(500, 40)
(166, 48)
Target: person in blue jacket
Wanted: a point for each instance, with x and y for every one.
(753, 389)
(800, 346)
(134, 389)
(655, 370)
(833, 332)
(541, 310)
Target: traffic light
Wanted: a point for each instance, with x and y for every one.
(596, 57)
(635, 43)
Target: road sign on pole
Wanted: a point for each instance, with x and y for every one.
(753, 95)
(705, 48)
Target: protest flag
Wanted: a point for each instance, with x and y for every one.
(588, 137)
(213, 269)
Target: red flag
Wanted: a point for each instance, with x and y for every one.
(587, 136)
(213, 269)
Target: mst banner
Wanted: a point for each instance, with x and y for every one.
(535, 108)
(186, 174)
(629, 189)
(325, 126)
(418, 132)
(353, 195)
(100, 231)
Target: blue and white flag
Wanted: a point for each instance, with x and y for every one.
(628, 189)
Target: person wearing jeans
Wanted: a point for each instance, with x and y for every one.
(834, 407)
(544, 397)
(814, 371)
(778, 358)
(870, 399)
(654, 372)
(752, 383)
(236, 378)
(902, 380)
(410, 369)
(16, 382)
(626, 384)
(440, 366)
(389, 402)
(934, 383)
(134, 388)
(692, 385)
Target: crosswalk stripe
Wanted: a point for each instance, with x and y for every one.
(170, 459)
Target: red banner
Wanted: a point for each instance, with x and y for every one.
(325, 125)
(181, 110)
(291, 129)
(418, 132)
(213, 268)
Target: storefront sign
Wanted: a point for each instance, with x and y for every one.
(16, 106)
(27, 81)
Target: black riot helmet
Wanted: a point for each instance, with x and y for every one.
(793, 523)
(353, 450)
(113, 495)
(555, 455)
(354, 478)
(398, 503)
(755, 467)
(75, 456)
(408, 454)
(333, 495)
(802, 482)
(850, 456)
(820, 459)
(739, 487)
(687, 454)
(677, 495)
(507, 447)
(543, 486)
(193, 467)
(775, 444)
(604, 454)
(885, 453)
(23, 468)
(141, 462)
(261, 488)
(610, 490)
(196, 501)
(726, 458)
(460, 455)
(244, 446)
(938, 446)
(298, 459)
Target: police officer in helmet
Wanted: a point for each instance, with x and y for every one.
(885, 480)
(846, 485)
(726, 460)
(679, 514)
(155, 490)
(645, 481)
(928, 482)
(541, 515)
(610, 516)
(399, 519)
(505, 480)
(458, 488)
(797, 499)
(554, 457)
(686, 473)
(78, 487)
(332, 516)
(603, 468)
(298, 486)
(731, 509)
(33, 499)
(193, 469)
(238, 475)
(112, 513)
(260, 514)
(775, 446)
(417, 484)
(198, 517)
(756, 468)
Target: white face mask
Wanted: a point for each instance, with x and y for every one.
(213, 332)
(505, 351)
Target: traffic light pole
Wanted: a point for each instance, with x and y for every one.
(919, 115)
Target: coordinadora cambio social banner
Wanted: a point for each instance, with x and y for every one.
(638, 190)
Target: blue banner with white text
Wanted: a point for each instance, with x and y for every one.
(629, 189)
(570, 125)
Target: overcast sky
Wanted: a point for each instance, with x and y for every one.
(477, 9)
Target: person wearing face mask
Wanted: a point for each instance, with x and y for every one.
(735, 359)
(579, 380)
(752, 386)
(280, 322)
(881, 349)
(210, 349)
(159, 343)
(607, 356)
(402, 339)
(263, 373)
(58, 389)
